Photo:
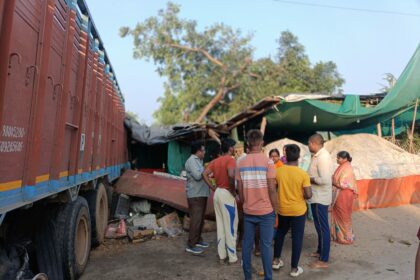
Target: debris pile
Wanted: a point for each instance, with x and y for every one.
(133, 219)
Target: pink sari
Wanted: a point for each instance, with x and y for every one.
(344, 192)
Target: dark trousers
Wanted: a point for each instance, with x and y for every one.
(320, 213)
(197, 210)
(297, 223)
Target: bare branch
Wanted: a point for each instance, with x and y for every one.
(205, 53)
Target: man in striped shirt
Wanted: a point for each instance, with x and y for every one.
(255, 176)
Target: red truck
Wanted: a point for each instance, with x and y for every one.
(62, 138)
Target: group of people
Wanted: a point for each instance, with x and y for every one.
(267, 196)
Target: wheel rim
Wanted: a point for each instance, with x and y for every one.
(82, 241)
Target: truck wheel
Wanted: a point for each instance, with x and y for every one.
(98, 206)
(75, 237)
(48, 246)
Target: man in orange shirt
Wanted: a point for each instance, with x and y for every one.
(223, 170)
(255, 177)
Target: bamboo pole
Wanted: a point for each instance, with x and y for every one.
(263, 125)
(411, 149)
(393, 130)
(379, 129)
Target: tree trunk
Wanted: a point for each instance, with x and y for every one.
(219, 95)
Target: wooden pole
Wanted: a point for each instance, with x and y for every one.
(411, 149)
(393, 130)
(379, 129)
(263, 125)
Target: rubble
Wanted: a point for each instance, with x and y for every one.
(209, 226)
(171, 224)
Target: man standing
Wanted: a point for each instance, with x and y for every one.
(294, 187)
(223, 170)
(197, 195)
(320, 172)
(255, 176)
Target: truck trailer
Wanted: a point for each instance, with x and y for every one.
(62, 138)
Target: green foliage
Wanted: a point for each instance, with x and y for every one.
(133, 116)
(211, 72)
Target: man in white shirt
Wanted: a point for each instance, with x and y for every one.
(320, 172)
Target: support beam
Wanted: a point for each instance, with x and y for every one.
(411, 148)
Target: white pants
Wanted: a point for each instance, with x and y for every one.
(227, 223)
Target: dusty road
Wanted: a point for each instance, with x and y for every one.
(381, 251)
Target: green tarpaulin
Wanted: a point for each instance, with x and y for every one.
(316, 115)
(178, 153)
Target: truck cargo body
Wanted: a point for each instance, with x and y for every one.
(61, 109)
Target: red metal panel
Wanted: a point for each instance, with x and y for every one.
(49, 115)
(33, 155)
(59, 150)
(81, 88)
(157, 188)
(90, 111)
(16, 89)
(99, 94)
(53, 94)
(2, 15)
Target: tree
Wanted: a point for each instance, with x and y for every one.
(297, 73)
(211, 73)
(203, 67)
(390, 80)
(133, 116)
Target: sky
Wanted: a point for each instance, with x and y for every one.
(364, 44)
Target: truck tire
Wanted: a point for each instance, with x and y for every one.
(75, 237)
(98, 206)
(48, 247)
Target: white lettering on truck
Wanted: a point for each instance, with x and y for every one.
(13, 131)
(10, 131)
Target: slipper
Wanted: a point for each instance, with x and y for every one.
(257, 253)
(234, 262)
(297, 273)
(223, 261)
(318, 264)
(314, 255)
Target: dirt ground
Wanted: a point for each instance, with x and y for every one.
(382, 251)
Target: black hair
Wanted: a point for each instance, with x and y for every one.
(292, 152)
(227, 143)
(274, 151)
(196, 146)
(344, 154)
(254, 137)
(317, 139)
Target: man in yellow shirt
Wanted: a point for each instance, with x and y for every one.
(294, 187)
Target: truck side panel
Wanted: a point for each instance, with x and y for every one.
(61, 111)
(17, 97)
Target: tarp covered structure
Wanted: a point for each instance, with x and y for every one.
(317, 115)
(152, 135)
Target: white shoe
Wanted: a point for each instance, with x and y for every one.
(278, 265)
(297, 273)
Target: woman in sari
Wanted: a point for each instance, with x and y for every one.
(344, 192)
